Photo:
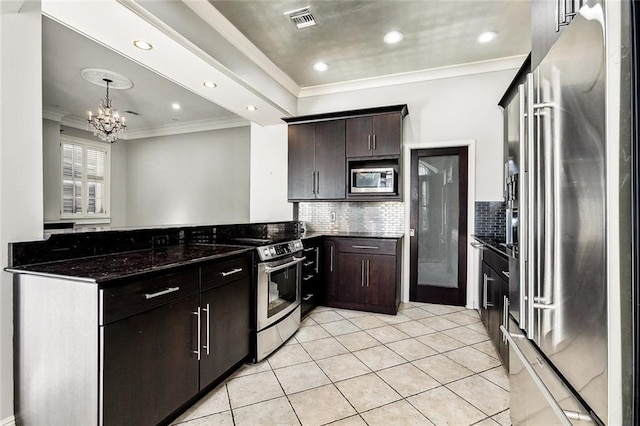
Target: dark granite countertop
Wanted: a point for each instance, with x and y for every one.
(351, 234)
(100, 269)
(496, 244)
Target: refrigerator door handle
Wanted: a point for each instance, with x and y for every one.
(513, 346)
(531, 255)
(523, 208)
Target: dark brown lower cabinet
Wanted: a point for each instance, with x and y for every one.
(365, 274)
(154, 360)
(367, 280)
(225, 329)
(494, 300)
(329, 270)
(149, 366)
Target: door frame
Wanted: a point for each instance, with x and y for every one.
(472, 261)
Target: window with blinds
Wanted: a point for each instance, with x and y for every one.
(85, 168)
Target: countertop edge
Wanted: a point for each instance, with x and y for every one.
(312, 235)
(493, 244)
(120, 277)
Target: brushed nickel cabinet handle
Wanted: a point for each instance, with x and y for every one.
(207, 346)
(231, 272)
(161, 293)
(197, 314)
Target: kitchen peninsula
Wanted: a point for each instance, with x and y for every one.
(109, 316)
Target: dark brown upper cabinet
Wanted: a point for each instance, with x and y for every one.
(317, 161)
(549, 18)
(375, 135)
(322, 146)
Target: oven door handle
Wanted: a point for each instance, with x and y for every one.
(269, 269)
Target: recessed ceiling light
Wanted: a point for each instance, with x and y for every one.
(393, 37)
(175, 106)
(141, 44)
(487, 36)
(320, 66)
(210, 84)
(251, 108)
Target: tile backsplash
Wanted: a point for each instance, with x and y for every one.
(490, 218)
(385, 216)
(388, 217)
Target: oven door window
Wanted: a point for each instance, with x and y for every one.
(283, 289)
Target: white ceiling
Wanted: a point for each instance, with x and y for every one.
(255, 54)
(349, 33)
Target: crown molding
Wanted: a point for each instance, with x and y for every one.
(511, 62)
(222, 25)
(165, 130)
(189, 127)
(54, 114)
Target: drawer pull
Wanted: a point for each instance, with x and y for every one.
(161, 293)
(305, 264)
(231, 272)
(366, 247)
(307, 278)
(308, 297)
(505, 273)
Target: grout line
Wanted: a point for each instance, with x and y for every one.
(376, 373)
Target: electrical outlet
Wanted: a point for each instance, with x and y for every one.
(333, 216)
(160, 241)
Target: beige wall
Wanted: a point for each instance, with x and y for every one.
(193, 178)
(268, 196)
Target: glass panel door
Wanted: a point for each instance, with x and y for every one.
(438, 215)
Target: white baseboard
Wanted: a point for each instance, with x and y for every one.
(9, 421)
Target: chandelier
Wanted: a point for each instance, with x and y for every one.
(107, 123)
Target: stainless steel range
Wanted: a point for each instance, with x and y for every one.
(278, 299)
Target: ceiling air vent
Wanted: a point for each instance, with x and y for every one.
(301, 18)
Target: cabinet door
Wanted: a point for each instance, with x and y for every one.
(359, 133)
(504, 311)
(494, 293)
(330, 160)
(225, 329)
(329, 268)
(301, 161)
(543, 27)
(351, 279)
(381, 280)
(387, 131)
(149, 368)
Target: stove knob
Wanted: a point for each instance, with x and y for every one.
(272, 250)
(265, 252)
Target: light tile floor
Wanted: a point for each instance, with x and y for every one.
(428, 365)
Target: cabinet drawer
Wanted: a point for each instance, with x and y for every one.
(496, 262)
(367, 246)
(129, 299)
(225, 271)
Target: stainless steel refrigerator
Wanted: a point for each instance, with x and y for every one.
(570, 336)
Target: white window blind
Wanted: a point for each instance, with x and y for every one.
(85, 167)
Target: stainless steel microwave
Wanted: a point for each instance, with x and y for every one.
(375, 180)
